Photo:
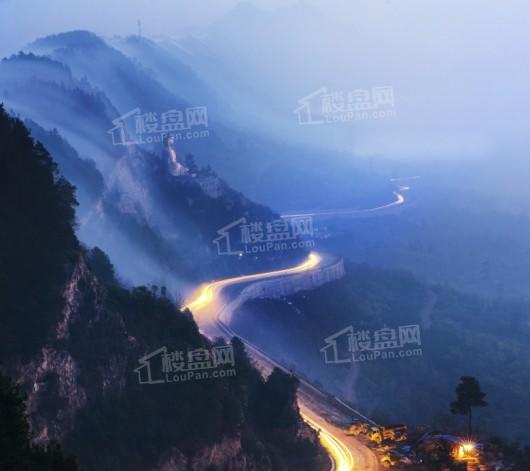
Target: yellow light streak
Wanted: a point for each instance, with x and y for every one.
(340, 453)
(205, 295)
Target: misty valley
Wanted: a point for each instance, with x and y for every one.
(264, 236)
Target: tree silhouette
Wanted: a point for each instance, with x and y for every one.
(37, 240)
(468, 395)
(189, 161)
(16, 451)
(101, 266)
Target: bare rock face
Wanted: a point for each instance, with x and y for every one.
(74, 296)
(87, 357)
(226, 454)
(211, 185)
(172, 461)
(54, 380)
(55, 384)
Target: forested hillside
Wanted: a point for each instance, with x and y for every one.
(73, 346)
(460, 335)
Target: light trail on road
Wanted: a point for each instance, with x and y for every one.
(400, 199)
(339, 452)
(206, 293)
(205, 300)
(206, 306)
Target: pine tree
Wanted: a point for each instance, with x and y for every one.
(468, 395)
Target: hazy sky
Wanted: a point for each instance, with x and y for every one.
(460, 69)
(21, 21)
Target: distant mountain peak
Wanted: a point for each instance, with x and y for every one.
(243, 13)
(245, 7)
(69, 39)
(135, 39)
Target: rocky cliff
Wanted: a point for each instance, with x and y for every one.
(71, 337)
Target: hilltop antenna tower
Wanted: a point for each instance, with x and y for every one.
(139, 23)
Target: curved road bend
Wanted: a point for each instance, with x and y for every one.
(208, 308)
(398, 201)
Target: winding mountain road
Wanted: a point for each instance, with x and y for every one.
(211, 312)
(398, 201)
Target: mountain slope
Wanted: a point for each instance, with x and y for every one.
(129, 200)
(460, 335)
(74, 346)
